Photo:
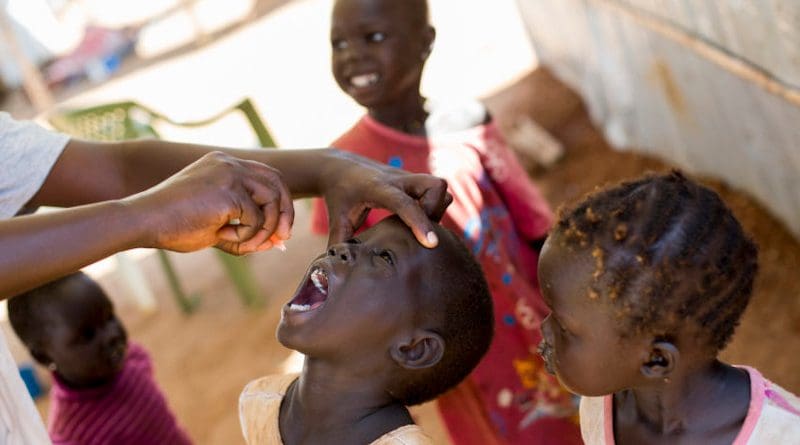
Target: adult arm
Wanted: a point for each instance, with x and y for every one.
(188, 211)
(351, 185)
(191, 209)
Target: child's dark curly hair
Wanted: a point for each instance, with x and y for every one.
(463, 313)
(666, 249)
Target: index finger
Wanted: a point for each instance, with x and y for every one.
(270, 178)
(415, 218)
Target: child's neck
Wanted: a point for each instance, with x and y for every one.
(329, 404)
(709, 401)
(407, 115)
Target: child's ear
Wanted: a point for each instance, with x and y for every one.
(661, 360)
(424, 349)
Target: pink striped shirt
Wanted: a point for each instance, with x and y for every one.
(129, 410)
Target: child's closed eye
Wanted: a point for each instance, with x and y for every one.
(87, 334)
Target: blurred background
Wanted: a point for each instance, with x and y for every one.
(586, 91)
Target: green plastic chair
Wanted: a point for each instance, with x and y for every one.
(128, 120)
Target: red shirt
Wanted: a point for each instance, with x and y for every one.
(128, 410)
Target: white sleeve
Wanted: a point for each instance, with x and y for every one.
(20, 423)
(27, 154)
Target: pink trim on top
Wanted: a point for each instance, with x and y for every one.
(757, 387)
(757, 390)
(608, 419)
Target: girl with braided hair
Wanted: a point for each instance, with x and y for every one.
(646, 282)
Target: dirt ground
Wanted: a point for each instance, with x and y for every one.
(203, 360)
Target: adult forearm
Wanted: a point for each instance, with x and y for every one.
(89, 172)
(38, 248)
(146, 163)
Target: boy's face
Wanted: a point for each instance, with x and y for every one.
(378, 50)
(582, 344)
(360, 295)
(84, 338)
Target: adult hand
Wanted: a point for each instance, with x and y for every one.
(352, 185)
(193, 208)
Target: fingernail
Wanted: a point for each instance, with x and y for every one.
(278, 244)
(433, 240)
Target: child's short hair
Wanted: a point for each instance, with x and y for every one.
(466, 323)
(666, 249)
(26, 311)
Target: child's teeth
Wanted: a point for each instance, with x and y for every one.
(300, 307)
(364, 80)
(317, 277)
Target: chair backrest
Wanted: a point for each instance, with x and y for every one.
(127, 120)
(111, 122)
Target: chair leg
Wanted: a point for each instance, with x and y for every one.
(242, 276)
(136, 282)
(187, 303)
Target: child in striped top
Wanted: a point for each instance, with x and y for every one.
(103, 388)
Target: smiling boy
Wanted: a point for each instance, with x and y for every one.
(384, 324)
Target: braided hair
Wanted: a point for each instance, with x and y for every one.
(666, 249)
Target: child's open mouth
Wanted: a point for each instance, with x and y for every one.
(312, 294)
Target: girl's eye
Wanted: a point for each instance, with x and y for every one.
(387, 256)
(339, 44)
(376, 37)
(87, 333)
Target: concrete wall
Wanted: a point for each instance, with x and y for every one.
(713, 86)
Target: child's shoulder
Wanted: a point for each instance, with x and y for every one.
(451, 116)
(269, 385)
(774, 414)
(259, 408)
(405, 435)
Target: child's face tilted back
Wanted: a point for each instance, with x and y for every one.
(379, 48)
(75, 330)
(359, 295)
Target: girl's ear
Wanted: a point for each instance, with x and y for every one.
(662, 359)
(424, 349)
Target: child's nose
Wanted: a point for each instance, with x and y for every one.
(344, 252)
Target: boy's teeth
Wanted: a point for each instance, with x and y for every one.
(320, 280)
(300, 307)
(364, 80)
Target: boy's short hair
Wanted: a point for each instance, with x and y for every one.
(26, 311)
(465, 321)
(666, 249)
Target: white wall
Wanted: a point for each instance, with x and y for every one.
(713, 86)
